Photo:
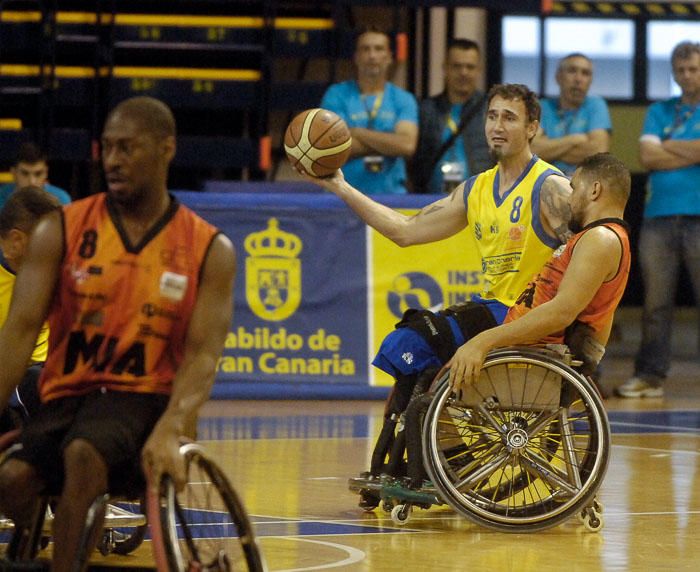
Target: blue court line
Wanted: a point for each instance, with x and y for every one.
(630, 422)
(216, 524)
(358, 426)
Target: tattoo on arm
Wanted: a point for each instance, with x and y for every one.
(563, 233)
(557, 210)
(430, 209)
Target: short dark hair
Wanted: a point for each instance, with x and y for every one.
(684, 50)
(152, 114)
(374, 29)
(573, 55)
(463, 44)
(613, 171)
(30, 153)
(24, 208)
(513, 91)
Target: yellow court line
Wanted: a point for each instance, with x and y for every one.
(174, 20)
(6, 177)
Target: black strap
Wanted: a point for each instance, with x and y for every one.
(434, 328)
(472, 317)
(466, 118)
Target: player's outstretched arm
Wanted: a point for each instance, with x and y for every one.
(596, 259)
(31, 298)
(555, 207)
(438, 220)
(193, 381)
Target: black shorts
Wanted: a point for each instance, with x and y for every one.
(116, 423)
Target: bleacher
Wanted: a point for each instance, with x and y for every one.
(63, 67)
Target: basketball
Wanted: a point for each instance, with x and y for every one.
(317, 141)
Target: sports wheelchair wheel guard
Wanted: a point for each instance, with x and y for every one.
(522, 449)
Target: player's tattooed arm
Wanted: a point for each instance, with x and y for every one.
(441, 204)
(556, 207)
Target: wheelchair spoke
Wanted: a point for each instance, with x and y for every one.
(548, 473)
(543, 420)
(498, 427)
(486, 470)
(572, 466)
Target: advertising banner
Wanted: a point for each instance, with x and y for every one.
(317, 290)
(428, 276)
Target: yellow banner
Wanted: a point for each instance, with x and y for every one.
(431, 276)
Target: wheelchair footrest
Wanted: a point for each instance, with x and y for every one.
(116, 517)
(398, 492)
(364, 483)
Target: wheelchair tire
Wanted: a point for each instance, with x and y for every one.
(522, 449)
(206, 529)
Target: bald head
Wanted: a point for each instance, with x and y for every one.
(151, 114)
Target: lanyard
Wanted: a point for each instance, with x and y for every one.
(567, 117)
(372, 113)
(451, 125)
(451, 153)
(679, 119)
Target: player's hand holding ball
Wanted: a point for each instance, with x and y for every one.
(317, 142)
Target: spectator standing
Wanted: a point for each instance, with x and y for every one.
(670, 148)
(575, 124)
(451, 142)
(383, 118)
(31, 169)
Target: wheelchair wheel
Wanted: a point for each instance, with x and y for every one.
(524, 448)
(205, 527)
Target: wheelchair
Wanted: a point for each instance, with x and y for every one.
(524, 448)
(203, 527)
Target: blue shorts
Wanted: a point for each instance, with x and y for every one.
(405, 351)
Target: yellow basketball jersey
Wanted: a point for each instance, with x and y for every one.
(7, 285)
(508, 230)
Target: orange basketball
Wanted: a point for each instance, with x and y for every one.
(318, 141)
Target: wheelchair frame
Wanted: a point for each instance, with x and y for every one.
(524, 448)
(165, 513)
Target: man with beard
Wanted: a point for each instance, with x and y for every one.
(574, 125)
(121, 386)
(578, 289)
(518, 212)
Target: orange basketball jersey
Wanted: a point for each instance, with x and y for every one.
(599, 312)
(120, 314)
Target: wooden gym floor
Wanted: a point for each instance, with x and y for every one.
(290, 461)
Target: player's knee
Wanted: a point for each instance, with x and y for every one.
(83, 462)
(17, 479)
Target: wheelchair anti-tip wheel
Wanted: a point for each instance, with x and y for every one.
(522, 449)
(206, 527)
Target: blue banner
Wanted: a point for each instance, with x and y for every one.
(317, 290)
(301, 293)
